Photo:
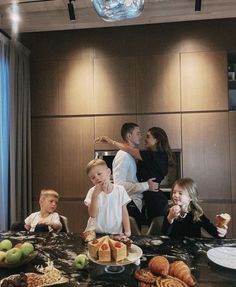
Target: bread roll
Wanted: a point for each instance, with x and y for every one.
(159, 265)
(180, 270)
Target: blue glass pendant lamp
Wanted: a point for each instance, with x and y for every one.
(116, 10)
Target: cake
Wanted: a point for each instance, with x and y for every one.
(94, 245)
(118, 250)
(104, 251)
(88, 235)
(222, 219)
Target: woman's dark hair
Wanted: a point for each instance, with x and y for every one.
(162, 143)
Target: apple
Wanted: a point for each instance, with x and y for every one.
(27, 248)
(5, 245)
(13, 255)
(2, 255)
(81, 261)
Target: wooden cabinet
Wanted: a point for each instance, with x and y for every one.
(114, 85)
(204, 81)
(205, 139)
(158, 83)
(62, 149)
(171, 123)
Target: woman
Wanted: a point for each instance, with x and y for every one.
(153, 162)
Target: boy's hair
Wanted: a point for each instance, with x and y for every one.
(127, 128)
(190, 187)
(48, 192)
(93, 163)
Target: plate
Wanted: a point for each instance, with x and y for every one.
(23, 261)
(134, 253)
(63, 280)
(223, 256)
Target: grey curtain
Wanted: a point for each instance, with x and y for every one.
(20, 134)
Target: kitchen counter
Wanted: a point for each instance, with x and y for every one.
(63, 247)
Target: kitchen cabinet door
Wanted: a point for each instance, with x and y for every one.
(204, 81)
(206, 158)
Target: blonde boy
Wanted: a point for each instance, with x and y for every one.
(46, 219)
(106, 201)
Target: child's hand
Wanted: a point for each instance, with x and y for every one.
(173, 213)
(98, 188)
(222, 231)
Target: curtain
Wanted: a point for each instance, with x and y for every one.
(20, 134)
(4, 130)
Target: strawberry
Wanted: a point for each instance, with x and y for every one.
(118, 245)
(104, 246)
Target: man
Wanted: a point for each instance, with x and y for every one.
(125, 169)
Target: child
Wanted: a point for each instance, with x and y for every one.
(46, 219)
(186, 217)
(106, 202)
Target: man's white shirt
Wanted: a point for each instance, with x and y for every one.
(124, 173)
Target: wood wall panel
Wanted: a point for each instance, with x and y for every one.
(44, 88)
(46, 149)
(204, 81)
(77, 214)
(114, 86)
(158, 83)
(62, 149)
(171, 123)
(77, 149)
(110, 126)
(234, 219)
(211, 209)
(206, 153)
(232, 130)
(76, 87)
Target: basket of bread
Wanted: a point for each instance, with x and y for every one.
(162, 273)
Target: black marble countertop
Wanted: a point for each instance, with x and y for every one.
(62, 248)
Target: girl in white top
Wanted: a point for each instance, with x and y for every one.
(106, 202)
(46, 216)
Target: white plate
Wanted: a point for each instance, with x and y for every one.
(134, 253)
(223, 256)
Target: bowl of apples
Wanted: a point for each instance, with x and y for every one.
(17, 255)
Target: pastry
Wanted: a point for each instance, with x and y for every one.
(88, 235)
(159, 265)
(145, 275)
(222, 219)
(94, 245)
(104, 251)
(118, 250)
(170, 281)
(180, 270)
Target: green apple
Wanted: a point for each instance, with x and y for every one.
(81, 261)
(27, 248)
(13, 255)
(5, 245)
(2, 255)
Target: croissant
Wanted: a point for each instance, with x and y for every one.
(180, 270)
(159, 265)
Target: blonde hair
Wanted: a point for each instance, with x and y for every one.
(48, 192)
(93, 163)
(190, 187)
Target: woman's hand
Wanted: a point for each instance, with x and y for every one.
(104, 139)
(222, 231)
(173, 213)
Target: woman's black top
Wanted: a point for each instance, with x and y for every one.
(154, 164)
(187, 227)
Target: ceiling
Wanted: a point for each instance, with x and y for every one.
(52, 15)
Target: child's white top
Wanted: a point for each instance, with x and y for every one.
(109, 216)
(33, 219)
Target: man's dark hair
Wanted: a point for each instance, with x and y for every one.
(127, 128)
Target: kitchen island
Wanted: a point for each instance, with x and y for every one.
(62, 248)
